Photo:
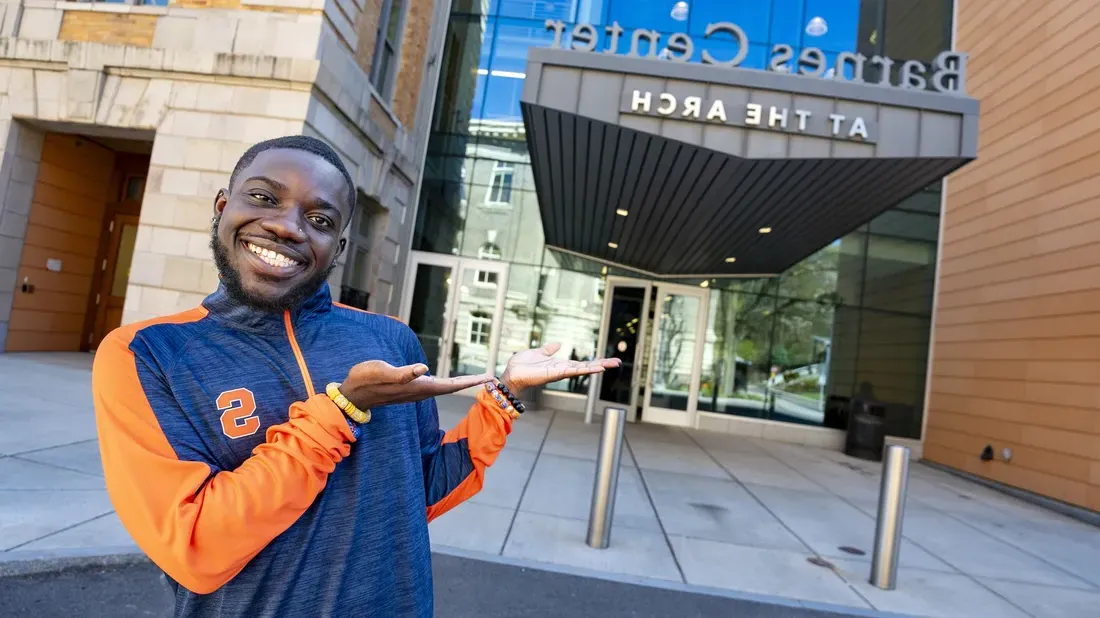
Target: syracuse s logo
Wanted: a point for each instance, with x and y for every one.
(238, 408)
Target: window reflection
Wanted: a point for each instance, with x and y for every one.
(537, 9)
(632, 14)
(461, 90)
(674, 344)
(802, 337)
(520, 325)
(439, 218)
(735, 359)
(569, 312)
(900, 275)
(815, 277)
(506, 73)
(514, 226)
(893, 356)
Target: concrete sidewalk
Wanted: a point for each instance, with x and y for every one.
(693, 508)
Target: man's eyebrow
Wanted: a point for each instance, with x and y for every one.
(327, 205)
(275, 184)
(278, 186)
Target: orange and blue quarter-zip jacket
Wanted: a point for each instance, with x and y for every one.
(242, 481)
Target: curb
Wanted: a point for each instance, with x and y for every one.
(22, 563)
(665, 584)
(18, 564)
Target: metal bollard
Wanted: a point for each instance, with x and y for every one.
(891, 508)
(592, 396)
(607, 478)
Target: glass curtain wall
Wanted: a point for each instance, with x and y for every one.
(853, 316)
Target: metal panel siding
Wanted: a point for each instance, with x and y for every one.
(899, 132)
(560, 88)
(729, 140)
(803, 147)
(597, 88)
(939, 135)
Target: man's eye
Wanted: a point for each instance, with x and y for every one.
(261, 197)
(320, 221)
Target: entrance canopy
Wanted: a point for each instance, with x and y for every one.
(697, 170)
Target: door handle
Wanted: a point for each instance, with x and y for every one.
(28, 287)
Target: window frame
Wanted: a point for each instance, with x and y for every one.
(378, 69)
(501, 170)
(484, 329)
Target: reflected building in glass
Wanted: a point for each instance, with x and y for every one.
(851, 319)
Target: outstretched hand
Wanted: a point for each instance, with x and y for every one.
(377, 383)
(536, 367)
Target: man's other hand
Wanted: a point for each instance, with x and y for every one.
(377, 383)
(536, 367)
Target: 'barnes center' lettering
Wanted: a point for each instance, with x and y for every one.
(948, 70)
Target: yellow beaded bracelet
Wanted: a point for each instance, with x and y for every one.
(349, 408)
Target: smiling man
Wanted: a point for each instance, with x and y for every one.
(276, 453)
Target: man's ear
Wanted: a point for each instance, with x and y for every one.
(220, 201)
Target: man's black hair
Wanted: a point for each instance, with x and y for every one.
(305, 143)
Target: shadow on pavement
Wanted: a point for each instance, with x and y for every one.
(463, 588)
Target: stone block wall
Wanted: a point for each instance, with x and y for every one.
(18, 172)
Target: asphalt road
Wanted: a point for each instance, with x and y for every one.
(463, 587)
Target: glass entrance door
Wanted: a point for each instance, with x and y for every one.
(454, 307)
(676, 355)
(623, 336)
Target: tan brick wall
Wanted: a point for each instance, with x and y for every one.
(103, 27)
(1017, 340)
(366, 28)
(206, 4)
(236, 5)
(414, 48)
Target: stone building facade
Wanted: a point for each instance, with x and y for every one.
(119, 123)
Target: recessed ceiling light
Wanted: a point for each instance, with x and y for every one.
(622, 213)
(731, 260)
(765, 230)
(680, 11)
(817, 27)
(613, 245)
(704, 284)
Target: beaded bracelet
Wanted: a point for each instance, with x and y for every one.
(345, 404)
(506, 400)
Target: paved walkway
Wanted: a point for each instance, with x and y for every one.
(693, 508)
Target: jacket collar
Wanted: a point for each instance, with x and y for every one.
(222, 307)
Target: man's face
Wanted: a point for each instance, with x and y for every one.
(277, 235)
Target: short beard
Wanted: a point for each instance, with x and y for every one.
(231, 279)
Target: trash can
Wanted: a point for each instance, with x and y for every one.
(866, 437)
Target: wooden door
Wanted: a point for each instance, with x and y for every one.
(116, 250)
(116, 274)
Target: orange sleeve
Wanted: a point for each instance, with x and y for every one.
(199, 525)
(483, 433)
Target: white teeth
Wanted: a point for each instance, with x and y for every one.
(271, 257)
